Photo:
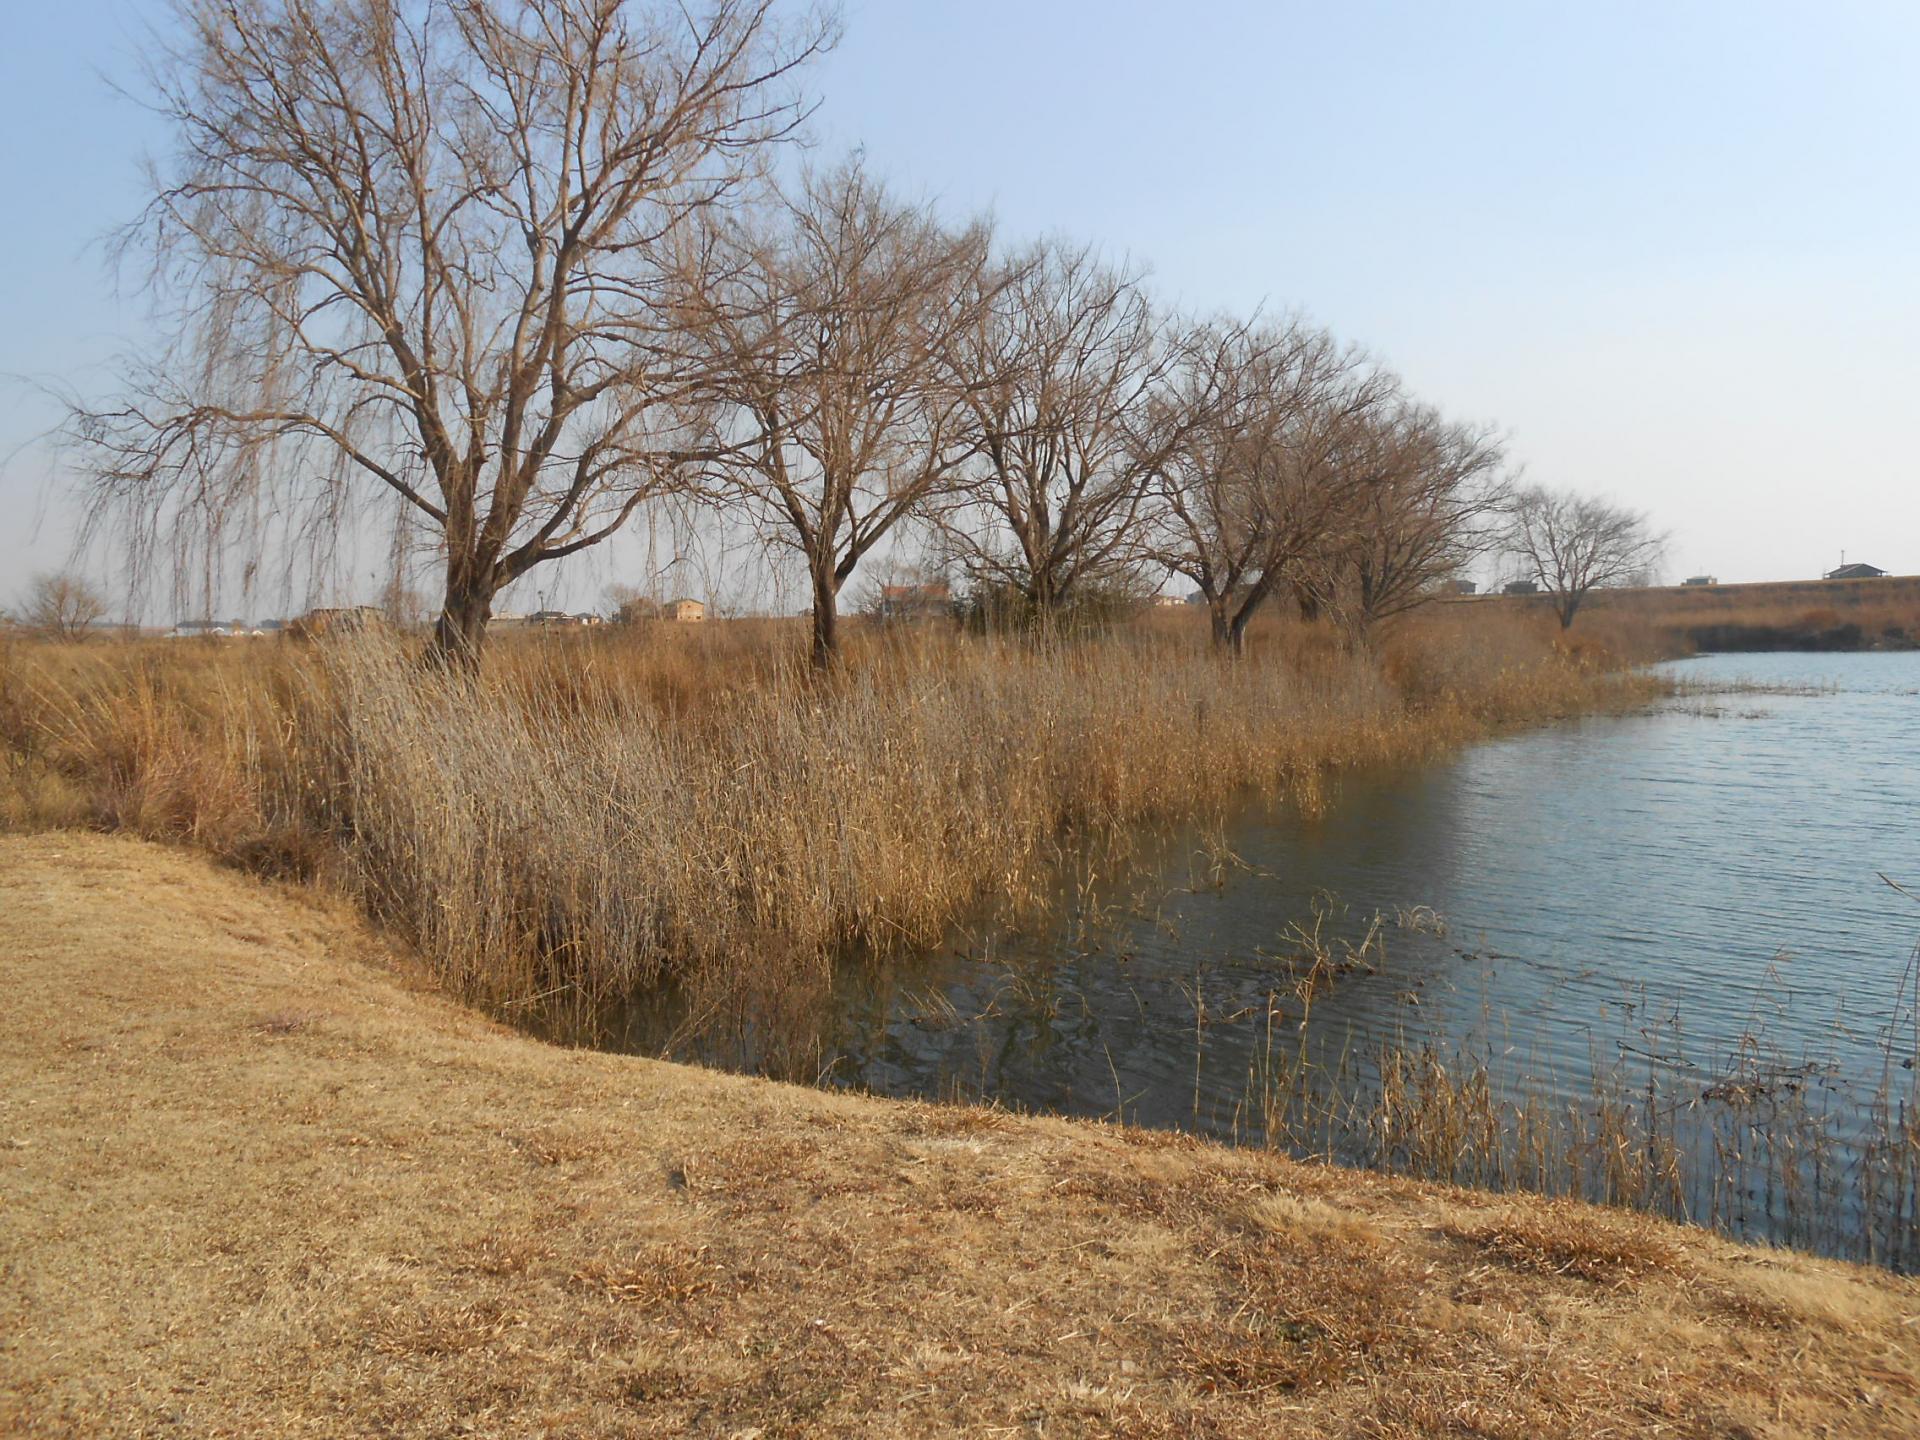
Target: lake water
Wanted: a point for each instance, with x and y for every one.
(1662, 932)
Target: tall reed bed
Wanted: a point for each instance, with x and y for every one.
(599, 815)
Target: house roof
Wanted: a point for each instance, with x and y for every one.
(1856, 571)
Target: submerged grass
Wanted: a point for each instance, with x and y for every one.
(1754, 1142)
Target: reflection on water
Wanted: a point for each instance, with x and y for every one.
(1691, 895)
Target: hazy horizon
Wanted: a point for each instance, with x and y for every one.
(1669, 251)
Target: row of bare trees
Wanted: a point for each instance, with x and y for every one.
(520, 266)
(1050, 428)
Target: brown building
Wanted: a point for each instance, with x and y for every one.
(915, 602)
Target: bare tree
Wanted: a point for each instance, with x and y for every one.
(1061, 373)
(62, 607)
(1426, 495)
(828, 336)
(1251, 497)
(421, 247)
(1571, 545)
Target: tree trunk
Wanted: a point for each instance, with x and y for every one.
(826, 620)
(461, 630)
(1041, 608)
(1222, 626)
(1237, 632)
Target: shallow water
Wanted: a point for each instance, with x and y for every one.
(1679, 896)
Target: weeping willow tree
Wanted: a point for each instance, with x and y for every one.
(420, 251)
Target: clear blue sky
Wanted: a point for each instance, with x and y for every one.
(1672, 249)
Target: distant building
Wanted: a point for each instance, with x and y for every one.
(562, 619)
(684, 610)
(1520, 587)
(1700, 580)
(916, 602)
(1194, 597)
(1459, 587)
(1856, 572)
(1171, 601)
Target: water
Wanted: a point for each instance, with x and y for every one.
(1689, 897)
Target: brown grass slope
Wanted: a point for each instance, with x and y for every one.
(253, 1183)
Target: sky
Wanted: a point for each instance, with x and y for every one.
(1670, 250)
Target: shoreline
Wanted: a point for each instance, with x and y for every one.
(260, 1181)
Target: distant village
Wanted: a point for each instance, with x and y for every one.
(1532, 587)
(351, 618)
(891, 602)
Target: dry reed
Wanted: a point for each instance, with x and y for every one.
(601, 814)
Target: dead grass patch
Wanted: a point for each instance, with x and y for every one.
(1555, 1237)
(1304, 1217)
(439, 1328)
(655, 1276)
(556, 1145)
(501, 1256)
(285, 1022)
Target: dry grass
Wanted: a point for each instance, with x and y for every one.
(690, 805)
(1554, 1237)
(255, 1185)
(1776, 615)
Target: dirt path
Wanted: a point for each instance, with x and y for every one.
(251, 1183)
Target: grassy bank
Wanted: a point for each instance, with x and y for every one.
(692, 806)
(255, 1185)
(1873, 614)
